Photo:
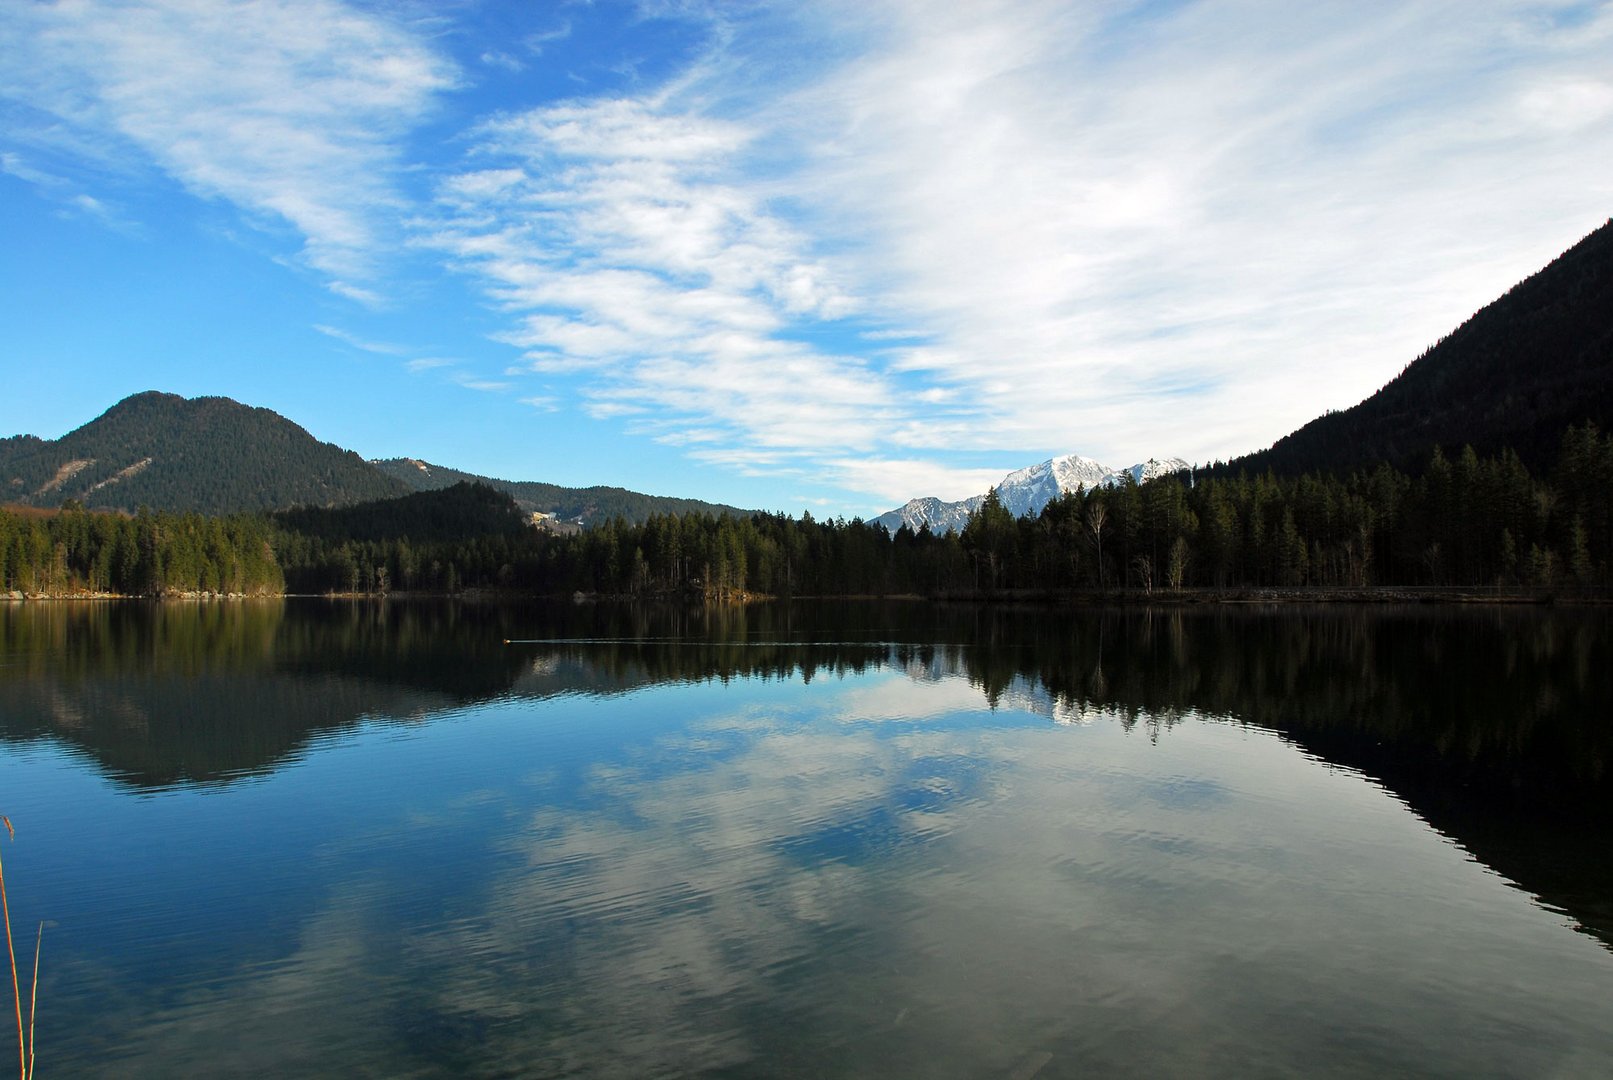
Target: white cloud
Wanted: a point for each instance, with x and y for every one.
(500, 59)
(899, 479)
(614, 130)
(356, 342)
(1565, 105)
(610, 410)
(626, 251)
(292, 111)
(536, 43)
(90, 204)
(66, 193)
(429, 363)
(1190, 232)
(16, 165)
(848, 239)
(1084, 227)
(486, 386)
(357, 293)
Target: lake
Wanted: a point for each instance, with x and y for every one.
(304, 838)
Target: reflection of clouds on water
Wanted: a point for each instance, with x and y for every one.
(312, 1013)
(656, 929)
(1027, 897)
(813, 880)
(634, 858)
(917, 694)
(937, 689)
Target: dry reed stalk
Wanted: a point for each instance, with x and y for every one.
(33, 1001)
(16, 991)
(24, 1041)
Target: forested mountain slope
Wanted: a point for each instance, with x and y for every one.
(589, 506)
(461, 512)
(213, 455)
(209, 455)
(1517, 374)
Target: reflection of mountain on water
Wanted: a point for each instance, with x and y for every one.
(164, 694)
(161, 732)
(1490, 723)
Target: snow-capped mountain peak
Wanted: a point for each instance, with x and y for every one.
(1027, 491)
(940, 516)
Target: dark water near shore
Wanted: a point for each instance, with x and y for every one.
(364, 839)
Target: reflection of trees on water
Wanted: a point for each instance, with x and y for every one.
(1491, 722)
(162, 694)
(1515, 696)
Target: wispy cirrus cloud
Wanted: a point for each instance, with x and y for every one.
(486, 386)
(864, 245)
(292, 111)
(1189, 228)
(1119, 229)
(429, 363)
(896, 480)
(66, 194)
(615, 238)
(380, 348)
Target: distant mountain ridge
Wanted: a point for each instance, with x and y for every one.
(210, 455)
(583, 506)
(1517, 374)
(214, 455)
(1026, 491)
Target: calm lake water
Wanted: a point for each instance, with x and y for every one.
(367, 839)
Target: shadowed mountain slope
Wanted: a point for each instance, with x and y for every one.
(1517, 374)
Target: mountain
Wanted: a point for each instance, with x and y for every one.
(585, 506)
(1026, 491)
(211, 455)
(940, 516)
(1517, 374)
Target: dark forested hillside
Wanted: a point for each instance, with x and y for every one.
(209, 455)
(589, 506)
(421, 540)
(1517, 374)
(461, 512)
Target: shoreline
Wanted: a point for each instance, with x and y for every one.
(1188, 597)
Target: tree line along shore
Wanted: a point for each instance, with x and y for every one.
(1466, 526)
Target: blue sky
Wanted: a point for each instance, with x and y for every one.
(812, 255)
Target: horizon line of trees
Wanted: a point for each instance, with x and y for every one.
(76, 551)
(1464, 521)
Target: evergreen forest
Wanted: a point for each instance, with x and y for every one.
(76, 551)
(1464, 521)
(588, 506)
